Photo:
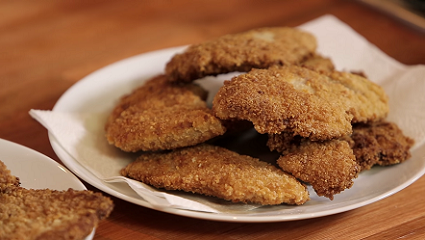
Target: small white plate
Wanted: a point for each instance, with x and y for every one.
(100, 91)
(37, 171)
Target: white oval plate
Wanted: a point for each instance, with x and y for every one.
(99, 92)
(37, 171)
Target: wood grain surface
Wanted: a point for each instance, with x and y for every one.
(47, 46)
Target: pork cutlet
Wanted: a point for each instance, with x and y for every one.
(257, 48)
(215, 171)
(162, 116)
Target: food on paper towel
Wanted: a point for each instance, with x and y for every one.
(312, 114)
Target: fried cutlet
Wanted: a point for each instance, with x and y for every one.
(369, 103)
(6, 176)
(216, 171)
(162, 116)
(156, 93)
(49, 214)
(292, 99)
(329, 166)
(258, 48)
(302, 101)
(163, 129)
(381, 143)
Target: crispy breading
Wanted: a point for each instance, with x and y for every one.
(329, 166)
(319, 64)
(292, 99)
(163, 129)
(257, 48)
(369, 103)
(216, 171)
(382, 144)
(304, 102)
(157, 92)
(162, 116)
(49, 214)
(6, 176)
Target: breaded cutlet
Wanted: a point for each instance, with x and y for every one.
(163, 129)
(215, 171)
(157, 92)
(369, 101)
(381, 143)
(50, 215)
(292, 99)
(301, 101)
(329, 166)
(162, 116)
(257, 48)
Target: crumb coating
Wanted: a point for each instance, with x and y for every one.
(369, 103)
(162, 116)
(381, 143)
(49, 214)
(216, 171)
(329, 166)
(258, 48)
(292, 99)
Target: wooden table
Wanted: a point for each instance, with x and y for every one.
(47, 46)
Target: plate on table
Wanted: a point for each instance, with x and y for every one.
(37, 171)
(120, 78)
(100, 91)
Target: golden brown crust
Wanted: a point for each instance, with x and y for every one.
(319, 64)
(216, 171)
(258, 48)
(329, 166)
(369, 103)
(6, 176)
(292, 99)
(156, 93)
(380, 144)
(301, 101)
(162, 116)
(163, 129)
(49, 214)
